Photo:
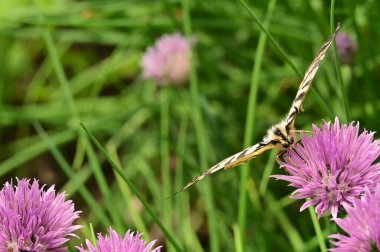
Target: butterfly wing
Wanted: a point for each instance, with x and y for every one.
(307, 81)
(267, 144)
(238, 158)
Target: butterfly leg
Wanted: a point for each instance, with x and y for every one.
(283, 151)
(279, 161)
(301, 131)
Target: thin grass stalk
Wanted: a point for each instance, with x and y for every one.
(99, 176)
(267, 172)
(165, 155)
(182, 201)
(132, 208)
(93, 235)
(286, 58)
(83, 191)
(201, 135)
(236, 231)
(116, 217)
(122, 174)
(183, 215)
(346, 108)
(250, 120)
(290, 231)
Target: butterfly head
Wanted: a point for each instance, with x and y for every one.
(281, 135)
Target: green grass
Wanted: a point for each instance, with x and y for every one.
(66, 62)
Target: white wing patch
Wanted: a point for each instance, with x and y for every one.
(280, 135)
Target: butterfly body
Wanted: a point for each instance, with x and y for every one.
(282, 134)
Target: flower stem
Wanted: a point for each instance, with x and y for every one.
(318, 230)
(337, 68)
(201, 135)
(165, 152)
(250, 120)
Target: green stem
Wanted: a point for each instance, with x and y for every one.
(249, 126)
(186, 231)
(164, 145)
(337, 68)
(133, 210)
(292, 233)
(267, 172)
(83, 191)
(201, 134)
(122, 174)
(237, 234)
(99, 176)
(318, 230)
(65, 86)
(284, 55)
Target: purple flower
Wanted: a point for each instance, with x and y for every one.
(34, 219)
(116, 243)
(346, 47)
(362, 225)
(333, 167)
(168, 60)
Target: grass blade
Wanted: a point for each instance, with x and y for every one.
(133, 189)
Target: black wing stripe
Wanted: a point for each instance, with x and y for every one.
(300, 96)
(307, 80)
(242, 154)
(294, 112)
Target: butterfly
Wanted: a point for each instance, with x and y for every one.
(282, 134)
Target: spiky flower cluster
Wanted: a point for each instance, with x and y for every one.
(362, 225)
(34, 219)
(116, 243)
(333, 167)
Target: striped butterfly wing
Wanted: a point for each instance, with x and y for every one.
(234, 160)
(267, 144)
(307, 81)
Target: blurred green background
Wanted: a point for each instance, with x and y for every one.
(67, 61)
